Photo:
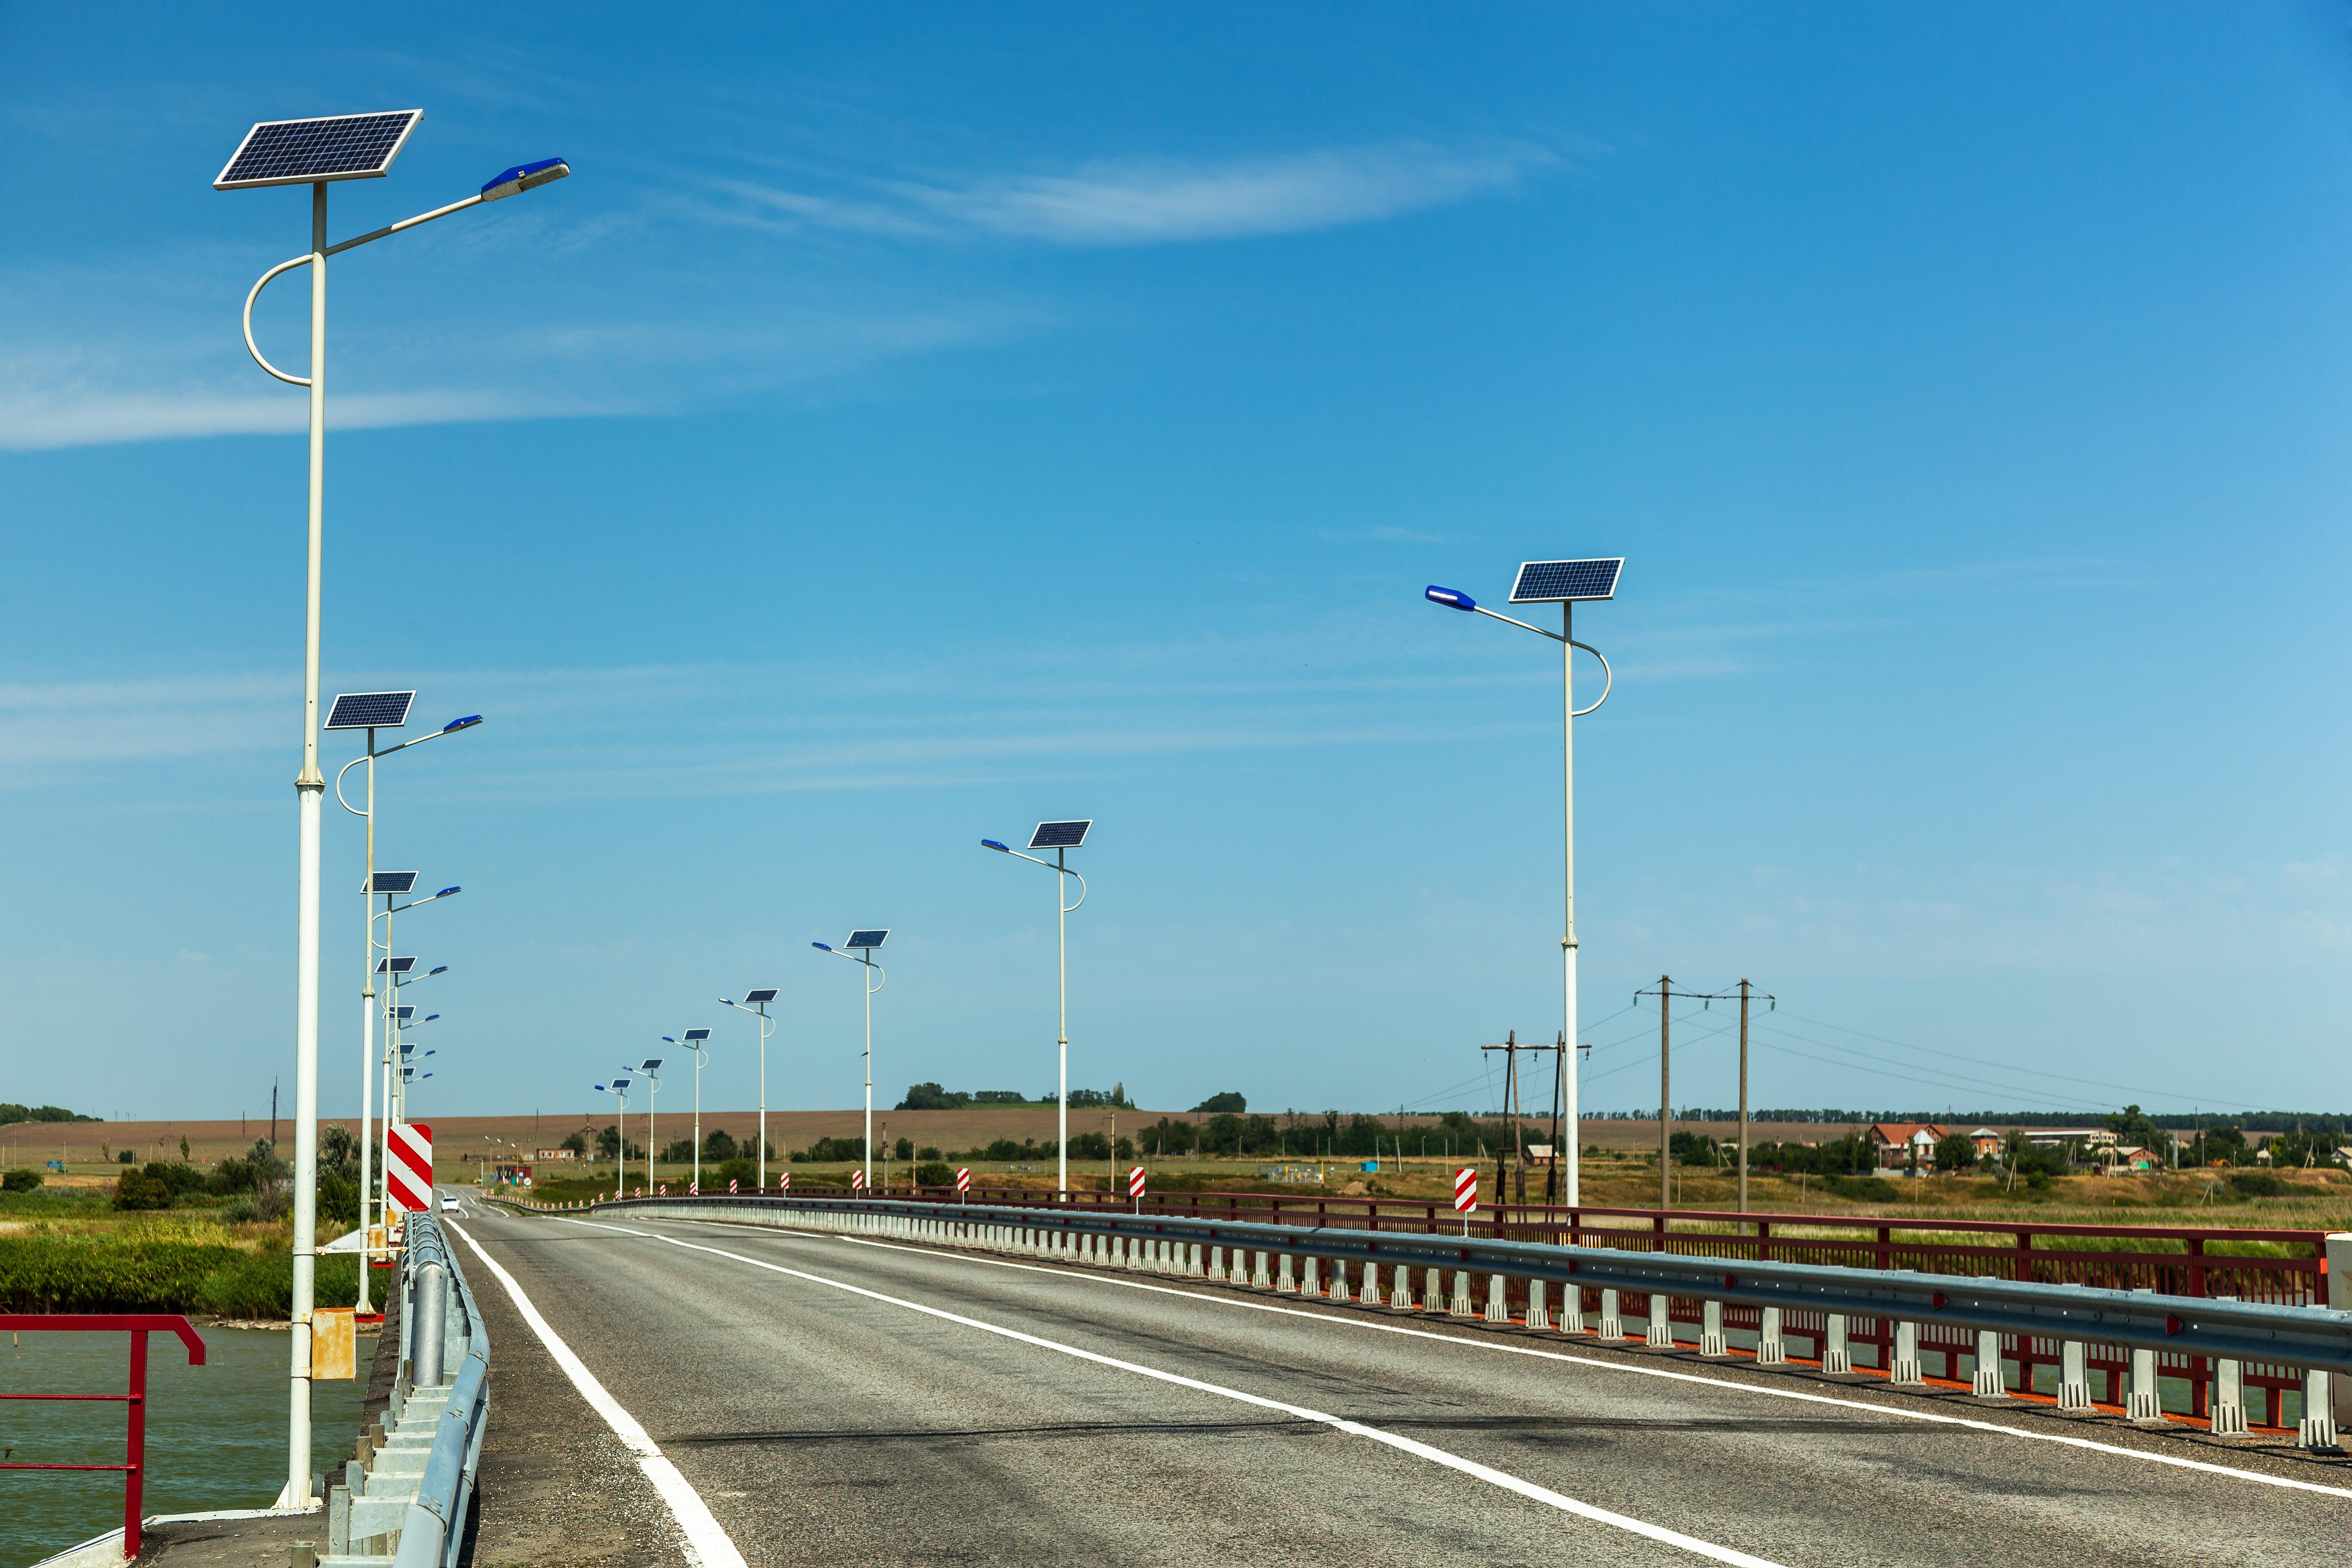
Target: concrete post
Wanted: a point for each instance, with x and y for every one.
(1339, 1280)
(1460, 1306)
(1372, 1297)
(2339, 1259)
(1217, 1264)
(2229, 1399)
(2319, 1428)
(1307, 1285)
(1662, 1332)
(1710, 1329)
(1401, 1286)
(1572, 1309)
(2141, 1401)
(1990, 1383)
(2073, 1375)
(1537, 1317)
(1432, 1290)
(1769, 1351)
(1498, 1306)
(1193, 1268)
(1907, 1353)
(432, 1310)
(1835, 1355)
(1261, 1278)
(1283, 1279)
(1612, 1328)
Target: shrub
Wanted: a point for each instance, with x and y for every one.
(718, 1146)
(137, 1190)
(2257, 1184)
(1228, 1101)
(934, 1174)
(24, 1181)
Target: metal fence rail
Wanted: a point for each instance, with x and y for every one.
(1911, 1314)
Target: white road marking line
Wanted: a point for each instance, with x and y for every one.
(707, 1544)
(1377, 1325)
(1435, 1455)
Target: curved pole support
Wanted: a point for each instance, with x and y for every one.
(1608, 676)
(255, 348)
(1073, 909)
(347, 767)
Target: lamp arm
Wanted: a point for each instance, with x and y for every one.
(881, 976)
(1073, 909)
(1608, 676)
(347, 767)
(1522, 625)
(255, 348)
(338, 250)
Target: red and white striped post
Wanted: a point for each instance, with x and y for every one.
(1465, 1194)
(857, 1181)
(964, 1184)
(1134, 1187)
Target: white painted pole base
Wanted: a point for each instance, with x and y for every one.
(1662, 1332)
(1770, 1350)
(1990, 1383)
(1837, 1356)
(1710, 1329)
(1907, 1355)
(2229, 1399)
(1613, 1327)
(2073, 1375)
(1537, 1317)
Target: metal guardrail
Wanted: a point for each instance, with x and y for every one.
(2318, 1339)
(404, 1500)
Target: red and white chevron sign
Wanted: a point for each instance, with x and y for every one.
(963, 1178)
(784, 1182)
(409, 1171)
(1135, 1183)
(856, 1180)
(731, 1188)
(1465, 1188)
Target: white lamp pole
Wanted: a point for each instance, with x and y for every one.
(315, 153)
(758, 1007)
(1061, 837)
(859, 949)
(699, 1042)
(1564, 583)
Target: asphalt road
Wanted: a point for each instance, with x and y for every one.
(843, 1402)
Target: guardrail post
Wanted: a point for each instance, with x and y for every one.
(1769, 1351)
(1258, 1277)
(1837, 1356)
(1432, 1290)
(1307, 1284)
(1611, 1326)
(2073, 1375)
(1537, 1317)
(1990, 1382)
(2144, 1403)
(1373, 1296)
(1193, 1268)
(1572, 1309)
(2319, 1428)
(1907, 1352)
(2336, 1257)
(1662, 1332)
(1217, 1264)
(1401, 1287)
(1284, 1280)
(1710, 1329)
(432, 1310)
(1498, 1307)
(1460, 1306)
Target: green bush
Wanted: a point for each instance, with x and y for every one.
(137, 1190)
(131, 1274)
(24, 1181)
(934, 1174)
(2257, 1184)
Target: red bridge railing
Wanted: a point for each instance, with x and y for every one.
(139, 1325)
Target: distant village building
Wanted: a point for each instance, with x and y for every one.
(1895, 1142)
(1987, 1142)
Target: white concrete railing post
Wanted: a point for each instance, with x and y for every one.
(1572, 1309)
(2073, 1375)
(1284, 1280)
(1372, 1297)
(1907, 1353)
(1217, 1264)
(1498, 1307)
(1611, 1326)
(2142, 1402)
(1837, 1356)
(1990, 1383)
(1537, 1317)
(1340, 1281)
(2338, 1256)
(1710, 1329)
(1260, 1277)
(1460, 1306)
(1401, 1287)
(1307, 1285)
(2317, 1429)
(1770, 1350)
(1662, 1332)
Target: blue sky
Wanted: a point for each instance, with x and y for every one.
(908, 424)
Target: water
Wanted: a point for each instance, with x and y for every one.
(216, 1433)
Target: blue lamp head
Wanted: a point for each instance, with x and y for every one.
(724, 1003)
(524, 177)
(467, 723)
(822, 946)
(431, 972)
(1453, 598)
(602, 1089)
(428, 1018)
(667, 1041)
(992, 843)
(448, 892)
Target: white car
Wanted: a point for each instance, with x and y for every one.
(449, 1203)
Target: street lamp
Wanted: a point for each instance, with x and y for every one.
(315, 153)
(374, 710)
(396, 1024)
(651, 1068)
(699, 1042)
(619, 1087)
(1566, 584)
(756, 1003)
(860, 949)
(1061, 837)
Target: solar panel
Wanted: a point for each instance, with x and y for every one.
(298, 152)
(1060, 834)
(369, 710)
(766, 994)
(392, 882)
(394, 965)
(1560, 582)
(867, 938)
(694, 1035)
(405, 1014)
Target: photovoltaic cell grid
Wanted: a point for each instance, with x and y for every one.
(392, 882)
(369, 710)
(693, 1035)
(867, 938)
(1557, 581)
(766, 994)
(338, 147)
(1060, 834)
(394, 965)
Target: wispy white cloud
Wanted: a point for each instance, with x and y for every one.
(1154, 201)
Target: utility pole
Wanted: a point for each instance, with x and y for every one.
(1666, 992)
(1514, 1107)
(1771, 1003)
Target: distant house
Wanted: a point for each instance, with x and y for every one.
(1895, 1142)
(1539, 1153)
(2124, 1157)
(1987, 1142)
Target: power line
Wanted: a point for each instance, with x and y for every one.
(2009, 1067)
